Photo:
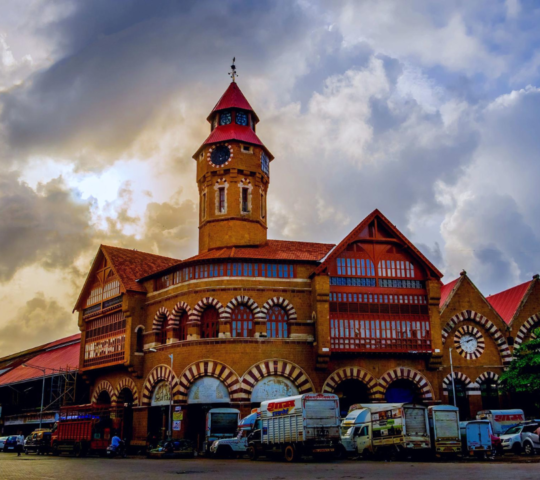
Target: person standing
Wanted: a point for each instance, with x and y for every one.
(20, 444)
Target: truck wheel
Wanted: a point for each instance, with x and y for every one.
(289, 454)
(252, 453)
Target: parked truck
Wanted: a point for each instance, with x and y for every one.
(85, 429)
(238, 445)
(501, 420)
(294, 426)
(444, 429)
(385, 429)
(477, 438)
(221, 423)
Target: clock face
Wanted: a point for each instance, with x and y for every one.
(468, 343)
(220, 155)
(225, 118)
(241, 118)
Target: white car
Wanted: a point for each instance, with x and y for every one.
(521, 437)
(511, 439)
(2, 443)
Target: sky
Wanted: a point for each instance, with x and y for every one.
(427, 110)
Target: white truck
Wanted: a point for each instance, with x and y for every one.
(445, 430)
(294, 426)
(220, 423)
(238, 445)
(385, 429)
(501, 420)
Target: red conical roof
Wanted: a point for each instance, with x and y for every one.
(232, 98)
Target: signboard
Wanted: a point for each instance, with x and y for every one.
(270, 388)
(162, 395)
(104, 347)
(177, 425)
(208, 390)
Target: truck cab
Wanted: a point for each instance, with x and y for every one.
(356, 432)
(221, 423)
(238, 445)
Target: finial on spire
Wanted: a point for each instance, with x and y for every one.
(233, 73)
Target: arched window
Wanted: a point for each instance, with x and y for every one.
(140, 340)
(210, 323)
(163, 332)
(462, 399)
(277, 323)
(490, 395)
(183, 322)
(242, 321)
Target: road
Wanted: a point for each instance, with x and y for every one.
(68, 468)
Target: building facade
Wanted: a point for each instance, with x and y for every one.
(249, 318)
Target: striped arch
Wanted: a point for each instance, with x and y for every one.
(106, 386)
(495, 333)
(281, 368)
(128, 383)
(405, 373)
(161, 315)
(527, 327)
(177, 312)
(487, 376)
(348, 373)
(158, 374)
(243, 300)
(280, 302)
(205, 303)
(447, 382)
(209, 368)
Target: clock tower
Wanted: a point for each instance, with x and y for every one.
(233, 174)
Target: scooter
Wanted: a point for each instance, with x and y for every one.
(119, 451)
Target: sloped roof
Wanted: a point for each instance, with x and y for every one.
(507, 302)
(232, 98)
(131, 265)
(271, 250)
(446, 290)
(60, 354)
(363, 224)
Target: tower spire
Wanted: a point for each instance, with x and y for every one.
(233, 73)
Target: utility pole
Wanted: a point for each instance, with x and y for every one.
(43, 370)
(171, 356)
(453, 382)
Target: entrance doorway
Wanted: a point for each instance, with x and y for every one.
(125, 400)
(350, 392)
(103, 398)
(462, 399)
(403, 391)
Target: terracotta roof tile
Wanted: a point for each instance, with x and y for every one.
(132, 264)
(446, 290)
(507, 302)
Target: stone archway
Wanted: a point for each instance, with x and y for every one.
(274, 367)
(405, 373)
(203, 304)
(103, 386)
(158, 374)
(488, 325)
(528, 326)
(243, 300)
(161, 316)
(128, 383)
(279, 302)
(354, 373)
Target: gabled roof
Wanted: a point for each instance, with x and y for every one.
(447, 289)
(128, 265)
(507, 302)
(232, 98)
(360, 227)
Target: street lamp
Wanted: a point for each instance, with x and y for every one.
(44, 370)
(453, 383)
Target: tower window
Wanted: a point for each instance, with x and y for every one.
(263, 213)
(221, 200)
(247, 148)
(245, 200)
(241, 118)
(225, 118)
(203, 205)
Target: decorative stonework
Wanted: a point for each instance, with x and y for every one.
(202, 305)
(158, 374)
(209, 368)
(242, 300)
(128, 383)
(465, 334)
(221, 182)
(246, 183)
(495, 333)
(179, 309)
(161, 315)
(404, 373)
(527, 327)
(280, 302)
(447, 382)
(277, 367)
(487, 377)
(104, 385)
(348, 373)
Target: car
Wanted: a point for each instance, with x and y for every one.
(530, 440)
(38, 442)
(11, 443)
(3, 443)
(512, 440)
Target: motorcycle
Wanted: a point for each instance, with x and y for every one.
(119, 451)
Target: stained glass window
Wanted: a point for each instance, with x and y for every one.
(242, 321)
(276, 321)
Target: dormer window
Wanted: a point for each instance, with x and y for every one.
(225, 118)
(247, 149)
(241, 118)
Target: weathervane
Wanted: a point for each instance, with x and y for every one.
(233, 73)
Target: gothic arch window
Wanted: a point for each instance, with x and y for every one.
(163, 332)
(245, 195)
(210, 323)
(183, 324)
(139, 339)
(242, 321)
(277, 322)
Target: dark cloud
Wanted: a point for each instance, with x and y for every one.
(41, 320)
